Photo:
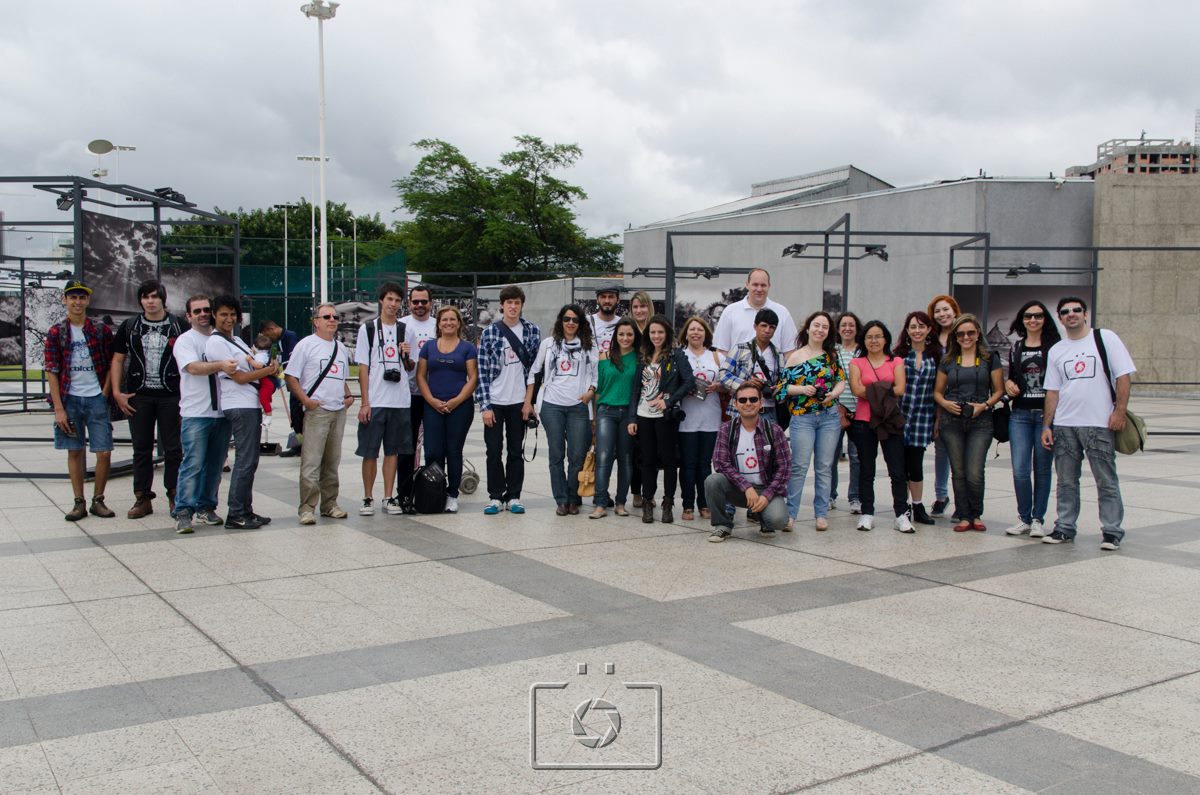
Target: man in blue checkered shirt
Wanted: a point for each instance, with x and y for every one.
(505, 400)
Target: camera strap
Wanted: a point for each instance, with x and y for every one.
(524, 438)
(371, 326)
(518, 347)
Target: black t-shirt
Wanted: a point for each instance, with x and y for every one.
(1027, 369)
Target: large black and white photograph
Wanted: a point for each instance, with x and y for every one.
(118, 255)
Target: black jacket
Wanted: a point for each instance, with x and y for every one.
(675, 379)
(886, 417)
(128, 340)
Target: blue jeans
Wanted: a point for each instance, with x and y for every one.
(568, 436)
(445, 436)
(205, 442)
(852, 454)
(1070, 446)
(967, 442)
(814, 439)
(246, 426)
(613, 445)
(1030, 464)
(695, 465)
(941, 470)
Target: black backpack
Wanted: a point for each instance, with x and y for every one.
(428, 491)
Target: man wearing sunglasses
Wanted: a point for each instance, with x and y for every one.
(204, 431)
(1083, 410)
(752, 463)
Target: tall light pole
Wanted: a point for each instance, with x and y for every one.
(312, 228)
(285, 208)
(321, 11)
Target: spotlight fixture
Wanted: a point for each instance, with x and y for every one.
(1012, 273)
(794, 250)
(67, 200)
(1015, 271)
(1033, 267)
(879, 250)
(171, 195)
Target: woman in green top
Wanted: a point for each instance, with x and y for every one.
(613, 442)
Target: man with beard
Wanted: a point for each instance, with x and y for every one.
(145, 386)
(204, 430)
(605, 319)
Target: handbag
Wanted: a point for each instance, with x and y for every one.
(844, 416)
(1132, 438)
(1000, 416)
(587, 475)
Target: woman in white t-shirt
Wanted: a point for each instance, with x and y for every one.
(702, 407)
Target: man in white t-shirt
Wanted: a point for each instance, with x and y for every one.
(204, 431)
(737, 321)
(605, 320)
(419, 328)
(317, 375)
(505, 399)
(1083, 410)
(385, 366)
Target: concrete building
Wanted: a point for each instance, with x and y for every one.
(1141, 156)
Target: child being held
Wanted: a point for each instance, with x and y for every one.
(267, 386)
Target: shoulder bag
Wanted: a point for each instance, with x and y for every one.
(1132, 438)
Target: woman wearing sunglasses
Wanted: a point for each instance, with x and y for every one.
(967, 388)
(568, 362)
(447, 371)
(1031, 462)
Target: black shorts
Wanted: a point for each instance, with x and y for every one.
(389, 426)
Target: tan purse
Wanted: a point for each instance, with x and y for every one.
(587, 475)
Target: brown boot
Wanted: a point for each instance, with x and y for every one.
(100, 509)
(668, 511)
(142, 505)
(78, 512)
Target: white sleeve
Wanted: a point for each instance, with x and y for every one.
(722, 335)
(362, 351)
(785, 334)
(187, 353)
(540, 360)
(1052, 381)
(1119, 360)
(215, 350)
(295, 365)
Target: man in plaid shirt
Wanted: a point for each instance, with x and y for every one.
(77, 356)
(504, 399)
(745, 363)
(752, 463)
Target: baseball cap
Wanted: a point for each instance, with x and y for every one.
(76, 286)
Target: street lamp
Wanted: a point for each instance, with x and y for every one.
(312, 228)
(285, 208)
(321, 11)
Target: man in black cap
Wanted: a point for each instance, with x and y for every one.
(77, 353)
(605, 319)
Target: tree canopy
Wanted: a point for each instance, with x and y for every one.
(515, 217)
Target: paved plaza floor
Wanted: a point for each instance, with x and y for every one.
(401, 654)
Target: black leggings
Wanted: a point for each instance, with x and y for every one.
(658, 441)
(914, 458)
(868, 444)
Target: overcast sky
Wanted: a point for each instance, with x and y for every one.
(677, 106)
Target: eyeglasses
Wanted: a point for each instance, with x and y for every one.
(203, 310)
(570, 319)
(750, 399)
(1071, 310)
(874, 338)
(966, 334)
(1035, 315)
(419, 302)
(325, 317)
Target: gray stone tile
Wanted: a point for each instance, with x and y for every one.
(1128, 775)
(86, 711)
(1025, 557)
(209, 691)
(574, 594)
(926, 719)
(309, 676)
(16, 728)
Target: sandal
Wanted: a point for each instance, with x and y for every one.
(688, 515)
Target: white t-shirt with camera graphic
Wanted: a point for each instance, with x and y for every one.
(381, 393)
(308, 362)
(1074, 371)
(418, 333)
(747, 456)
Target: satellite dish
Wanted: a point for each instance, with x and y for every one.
(100, 146)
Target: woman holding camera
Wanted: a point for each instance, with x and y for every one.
(567, 360)
(811, 381)
(877, 380)
(967, 387)
(447, 371)
(702, 407)
(1031, 463)
(614, 385)
(663, 378)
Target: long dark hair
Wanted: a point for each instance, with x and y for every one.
(954, 350)
(828, 344)
(933, 348)
(583, 329)
(1050, 333)
(887, 337)
(614, 354)
(647, 355)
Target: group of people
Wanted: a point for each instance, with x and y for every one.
(732, 416)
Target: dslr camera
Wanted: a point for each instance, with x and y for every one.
(391, 374)
(967, 411)
(821, 393)
(532, 422)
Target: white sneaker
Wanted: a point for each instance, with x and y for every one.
(866, 522)
(1037, 530)
(903, 524)
(493, 507)
(855, 506)
(452, 505)
(367, 508)
(391, 505)
(1019, 529)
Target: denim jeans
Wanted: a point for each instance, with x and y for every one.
(445, 436)
(505, 473)
(814, 439)
(1031, 464)
(967, 442)
(941, 470)
(205, 443)
(1070, 446)
(852, 454)
(246, 426)
(695, 465)
(568, 437)
(613, 445)
(722, 494)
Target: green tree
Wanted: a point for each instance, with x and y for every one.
(518, 217)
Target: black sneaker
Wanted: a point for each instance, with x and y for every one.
(754, 516)
(262, 520)
(207, 516)
(242, 523)
(763, 530)
(719, 534)
(1110, 543)
(1057, 538)
(939, 507)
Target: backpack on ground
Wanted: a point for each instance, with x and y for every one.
(428, 491)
